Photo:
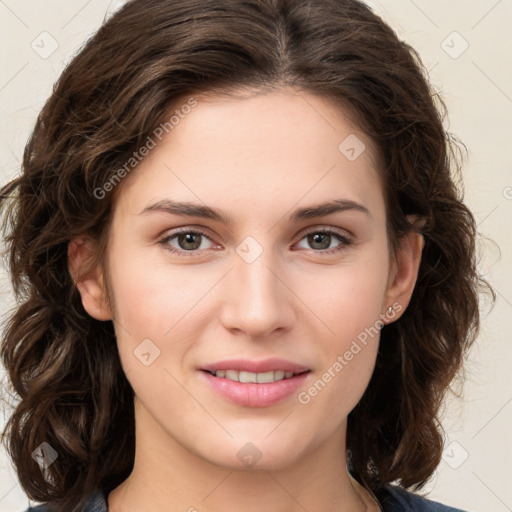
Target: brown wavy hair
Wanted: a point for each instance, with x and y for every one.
(64, 365)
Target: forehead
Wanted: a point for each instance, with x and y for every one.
(272, 147)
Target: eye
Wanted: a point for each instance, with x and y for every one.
(321, 239)
(188, 240)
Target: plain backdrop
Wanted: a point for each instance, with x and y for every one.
(466, 46)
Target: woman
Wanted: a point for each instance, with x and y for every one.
(246, 276)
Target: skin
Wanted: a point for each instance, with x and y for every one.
(257, 157)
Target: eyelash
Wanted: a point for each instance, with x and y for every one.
(165, 241)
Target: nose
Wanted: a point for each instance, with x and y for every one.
(257, 299)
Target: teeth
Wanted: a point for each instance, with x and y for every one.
(244, 376)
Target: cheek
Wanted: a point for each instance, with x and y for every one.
(348, 301)
(156, 319)
(347, 349)
(352, 313)
(347, 298)
(152, 296)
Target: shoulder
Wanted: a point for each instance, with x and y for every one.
(96, 502)
(397, 499)
(392, 498)
(38, 508)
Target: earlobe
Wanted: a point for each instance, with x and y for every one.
(88, 278)
(404, 273)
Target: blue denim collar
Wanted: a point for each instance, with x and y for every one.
(97, 502)
(392, 499)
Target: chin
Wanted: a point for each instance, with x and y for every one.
(258, 455)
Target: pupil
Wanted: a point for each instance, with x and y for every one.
(189, 237)
(320, 235)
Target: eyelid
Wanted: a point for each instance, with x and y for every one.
(330, 229)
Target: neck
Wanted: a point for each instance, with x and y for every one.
(168, 476)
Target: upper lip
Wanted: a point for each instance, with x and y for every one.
(265, 365)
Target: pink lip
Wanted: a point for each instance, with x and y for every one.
(253, 394)
(266, 365)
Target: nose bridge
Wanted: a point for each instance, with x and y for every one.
(257, 297)
(253, 268)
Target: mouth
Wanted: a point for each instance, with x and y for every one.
(254, 389)
(252, 377)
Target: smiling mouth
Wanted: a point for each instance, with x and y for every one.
(259, 378)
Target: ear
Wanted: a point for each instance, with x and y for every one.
(403, 274)
(88, 277)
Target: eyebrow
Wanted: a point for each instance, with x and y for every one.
(198, 210)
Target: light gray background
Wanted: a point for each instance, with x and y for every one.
(475, 473)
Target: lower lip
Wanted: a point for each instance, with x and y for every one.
(252, 394)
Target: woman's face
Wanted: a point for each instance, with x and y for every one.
(265, 281)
